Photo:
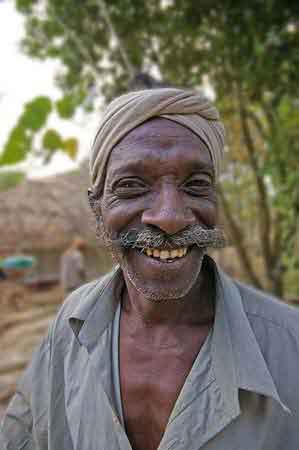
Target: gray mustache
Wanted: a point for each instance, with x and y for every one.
(148, 237)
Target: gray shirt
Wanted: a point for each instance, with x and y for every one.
(245, 397)
(115, 379)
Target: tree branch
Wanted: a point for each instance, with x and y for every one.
(77, 42)
(264, 218)
(122, 50)
(238, 240)
(258, 125)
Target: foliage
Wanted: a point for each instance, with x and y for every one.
(21, 139)
(52, 140)
(67, 105)
(70, 146)
(19, 143)
(248, 51)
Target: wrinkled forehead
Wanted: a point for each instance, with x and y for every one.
(153, 138)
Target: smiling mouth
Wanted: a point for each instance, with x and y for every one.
(166, 255)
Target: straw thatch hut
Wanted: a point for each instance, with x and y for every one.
(41, 217)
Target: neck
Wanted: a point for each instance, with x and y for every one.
(195, 309)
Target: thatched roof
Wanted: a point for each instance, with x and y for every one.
(46, 214)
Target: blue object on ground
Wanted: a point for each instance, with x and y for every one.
(18, 262)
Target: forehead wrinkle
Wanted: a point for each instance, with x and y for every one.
(159, 128)
(136, 138)
(136, 152)
(161, 137)
(150, 142)
(145, 166)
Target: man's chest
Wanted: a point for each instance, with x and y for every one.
(151, 382)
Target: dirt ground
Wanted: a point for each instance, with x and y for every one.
(24, 319)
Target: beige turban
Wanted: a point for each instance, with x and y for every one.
(126, 112)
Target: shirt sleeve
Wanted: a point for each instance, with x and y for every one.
(24, 426)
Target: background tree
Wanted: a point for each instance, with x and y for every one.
(248, 51)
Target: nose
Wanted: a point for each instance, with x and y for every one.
(168, 211)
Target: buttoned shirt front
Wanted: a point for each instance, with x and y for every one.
(244, 397)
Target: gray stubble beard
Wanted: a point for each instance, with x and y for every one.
(167, 296)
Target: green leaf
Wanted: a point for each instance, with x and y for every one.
(36, 113)
(70, 147)
(19, 142)
(66, 106)
(17, 146)
(52, 140)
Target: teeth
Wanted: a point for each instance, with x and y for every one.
(166, 254)
(174, 253)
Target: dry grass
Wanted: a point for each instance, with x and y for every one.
(24, 319)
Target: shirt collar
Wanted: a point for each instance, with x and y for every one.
(91, 317)
(237, 359)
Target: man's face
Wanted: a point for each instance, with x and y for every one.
(160, 179)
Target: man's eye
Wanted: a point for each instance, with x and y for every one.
(129, 187)
(197, 186)
(129, 184)
(203, 182)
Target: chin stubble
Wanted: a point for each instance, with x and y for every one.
(173, 294)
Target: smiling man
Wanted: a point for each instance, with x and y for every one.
(166, 351)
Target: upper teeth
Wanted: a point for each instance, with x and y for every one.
(166, 254)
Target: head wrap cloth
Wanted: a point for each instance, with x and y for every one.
(128, 111)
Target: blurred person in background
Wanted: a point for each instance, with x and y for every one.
(72, 266)
(166, 351)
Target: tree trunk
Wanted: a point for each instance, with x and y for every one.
(266, 223)
(238, 240)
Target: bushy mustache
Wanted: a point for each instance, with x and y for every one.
(149, 237)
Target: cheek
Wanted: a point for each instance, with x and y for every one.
(207, 212)
(121, 215)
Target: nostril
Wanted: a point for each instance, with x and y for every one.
(154, 228)
(169, 221)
